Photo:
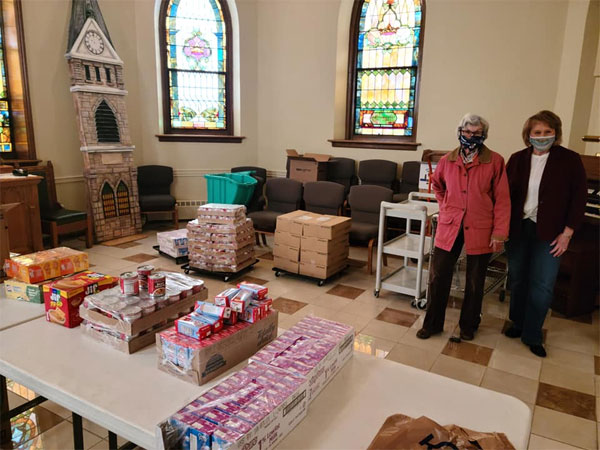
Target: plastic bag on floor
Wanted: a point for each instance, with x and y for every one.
(403, 432)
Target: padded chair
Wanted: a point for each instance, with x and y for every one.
(257, 202)
(342, 171)
(324, 197)
(410, 180)
(283, 196)
(364, 202)
(154, 187)
(57, 220)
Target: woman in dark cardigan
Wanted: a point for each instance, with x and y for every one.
(548, 195)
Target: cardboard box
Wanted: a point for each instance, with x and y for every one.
(307, 167)
(327, 227)
(286, 252)
(324, 259)
(264, 434)
(129, 347)
(287, 239)
(293, 223)
(146, 322)
(63, 297)
(28, 292)
(46, 264)
(285, 264)
(324, 245)
(210, 361)
(320, 271)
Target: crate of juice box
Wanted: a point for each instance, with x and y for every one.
(46, 264)
(127, 317)
(173, 243)
(254, 408)
(63, 297)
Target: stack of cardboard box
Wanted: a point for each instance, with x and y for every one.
(311, 244)
(221, 239)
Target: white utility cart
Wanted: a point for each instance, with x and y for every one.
(408, 280)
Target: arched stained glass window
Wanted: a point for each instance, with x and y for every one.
(196, 55)
(108, 201)
(5, 119)
(384, 65)
(123, 199)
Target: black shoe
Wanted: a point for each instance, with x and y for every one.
(538, 350)
(467, 336)
(512, 332)
(426, 334)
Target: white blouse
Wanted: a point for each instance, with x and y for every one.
(538, 163)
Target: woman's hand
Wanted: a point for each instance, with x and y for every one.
(561, 243)
(497, 245)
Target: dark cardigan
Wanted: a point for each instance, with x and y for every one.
(562, 194)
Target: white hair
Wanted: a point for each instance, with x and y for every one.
(475, 120)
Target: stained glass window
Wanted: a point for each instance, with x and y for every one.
(108, 201)
(386, 63)
(123, 199)
(197, 46)
(5, 119)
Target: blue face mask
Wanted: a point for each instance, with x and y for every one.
(542, 144)
(471, 143)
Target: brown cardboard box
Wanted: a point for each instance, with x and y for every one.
(132, 346)
(307, 167)
(321, 271)
(324, 245)
(286, 252)
(130, 328)
(293, 222)
(285, 264)
(324, 259)
(223, 354)
(327, 227)
(287, 239)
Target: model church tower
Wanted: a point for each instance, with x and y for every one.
(99, 95)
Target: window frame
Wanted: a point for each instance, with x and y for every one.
(376, 141)
(187, 135)
(23, 150)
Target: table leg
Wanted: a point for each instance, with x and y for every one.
(77, 432)
(5, 430)
(112, 441)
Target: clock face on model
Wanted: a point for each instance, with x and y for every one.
(94, 43)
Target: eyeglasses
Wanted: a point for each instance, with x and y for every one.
(470, 133)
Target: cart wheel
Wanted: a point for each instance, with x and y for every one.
(277, 273)
(187, 271)
(413, 303)
(321, 283)
(502, 295)
(226, 278)
(421, 304)
(376, 293)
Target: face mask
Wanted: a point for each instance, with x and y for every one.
(542, 144)
(472, 142)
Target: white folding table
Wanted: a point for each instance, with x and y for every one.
(15, 312)
(129, 396)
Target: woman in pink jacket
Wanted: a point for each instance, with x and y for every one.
(471, 187)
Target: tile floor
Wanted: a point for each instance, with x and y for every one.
(562, 390)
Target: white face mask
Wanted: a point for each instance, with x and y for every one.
(542, 144)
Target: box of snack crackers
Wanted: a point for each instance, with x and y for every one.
(46, 264)
(63, 297)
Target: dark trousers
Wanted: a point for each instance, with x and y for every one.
(533, 272)
(440, 282)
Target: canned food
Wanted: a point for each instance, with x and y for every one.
(173, 296)
(157, 284)
(148, 306)
(186, 292)
(128, 282)
(161, 302)
(131, 313)
(143, 273)
(197, 286)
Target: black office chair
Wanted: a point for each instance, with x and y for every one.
(154, 188)
(257, 202)
(324, 197)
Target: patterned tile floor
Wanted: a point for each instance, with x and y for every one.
(562, 390)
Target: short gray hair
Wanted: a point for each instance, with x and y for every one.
(475, 120)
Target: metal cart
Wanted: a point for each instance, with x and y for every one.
(408, 279)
